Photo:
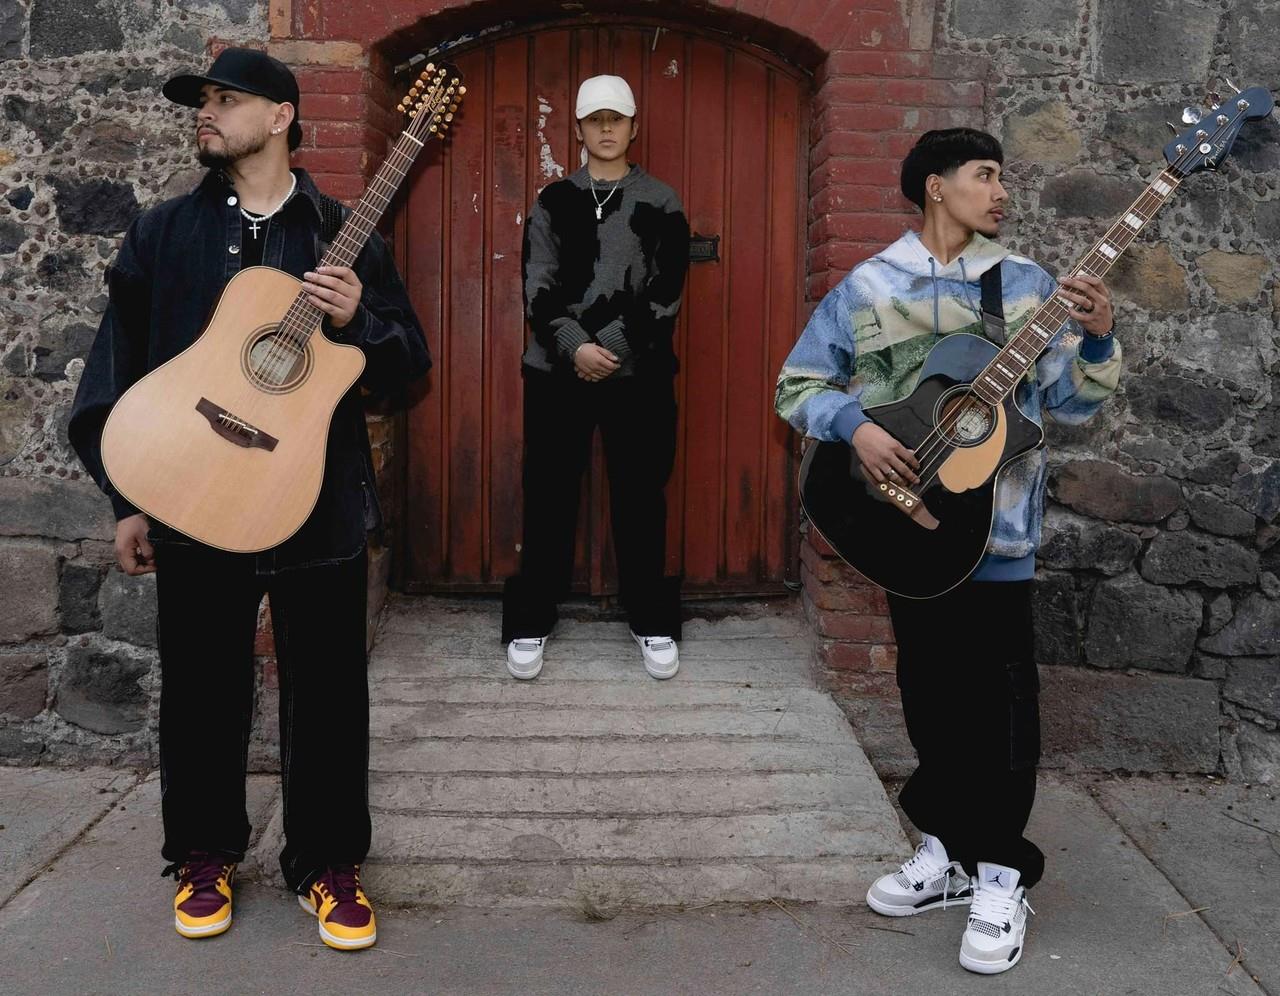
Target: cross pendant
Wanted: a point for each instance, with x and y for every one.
(599, 212)
(253, 227)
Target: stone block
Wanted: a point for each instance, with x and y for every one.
(78, 598)
(1238, 347)
(1252, 30)
(1134, 624)
(94, 206)
(1149, 276)
(1131, 48)
(1104, 491)
(1070, 542)
(47, 121)
(12, 235)
(1223, 518)
(1259, 491)
(1220, 611)
(1134, 722)
(101, 691)
(24, 685)
(1082, 193)
(1236, 277)
(17, 746)
(30, 603)
(1179, 401)
(1011, 18)
(69, 27)
(1056, 627)
(13, 30)
(63, 510)
(1187, 556)
(129, 608)
(15, 417)
(1254, 682)
(1259, 753)
(1042, 133)
(59, 347)
(1254, 630)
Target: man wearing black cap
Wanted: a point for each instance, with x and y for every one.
(252, 209)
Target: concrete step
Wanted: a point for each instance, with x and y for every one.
(738, 780)
(655, 793)
(621, 756)
(446, 721)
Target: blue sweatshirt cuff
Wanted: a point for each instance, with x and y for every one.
(996, 568)
(1096, 348)
(847, 420)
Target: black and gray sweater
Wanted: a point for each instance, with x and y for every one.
(616, 281)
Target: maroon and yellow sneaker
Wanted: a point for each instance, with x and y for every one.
(340, 905)
(202, 907)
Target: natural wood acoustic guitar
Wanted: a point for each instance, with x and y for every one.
(962, 420)
(226, 441)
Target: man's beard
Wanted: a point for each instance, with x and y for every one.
(232, 151)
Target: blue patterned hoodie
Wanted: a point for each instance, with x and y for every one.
(867, 340)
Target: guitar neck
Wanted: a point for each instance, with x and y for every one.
(1020, 353)
(364, 217)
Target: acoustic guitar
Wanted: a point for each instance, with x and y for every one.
(961, 420)
(226, 441)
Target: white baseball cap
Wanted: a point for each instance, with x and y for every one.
(605, 92)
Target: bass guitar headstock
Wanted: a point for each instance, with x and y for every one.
(1207, 142)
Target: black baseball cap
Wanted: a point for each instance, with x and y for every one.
(249, 71)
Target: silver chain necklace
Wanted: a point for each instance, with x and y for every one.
(255, 220)
(601, 203)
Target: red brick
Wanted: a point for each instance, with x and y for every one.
(313, 79)
(853, 226)
(836, 198)
(822, 568)
(338, 107)
(854, 627)
(847, 143)
(848, 90)
(958, 93)
(353, 161)
(343, 135)
(910, 65)
(841, 656)
(344, 187)
(845, 169)
(841, 257)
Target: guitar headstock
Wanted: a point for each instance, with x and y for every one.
(1207, 142)
(433, 100)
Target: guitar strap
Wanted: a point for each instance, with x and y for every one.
(993, 306)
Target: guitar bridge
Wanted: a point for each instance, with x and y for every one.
(896, 492)
(233, 429)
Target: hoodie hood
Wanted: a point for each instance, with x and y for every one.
(910, 256)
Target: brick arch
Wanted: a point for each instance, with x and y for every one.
(876, 84)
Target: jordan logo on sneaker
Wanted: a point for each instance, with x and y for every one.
(998, 879)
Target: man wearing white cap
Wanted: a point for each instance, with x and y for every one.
(605, 255)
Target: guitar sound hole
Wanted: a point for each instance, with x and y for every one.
(274, 362)
(964, 419)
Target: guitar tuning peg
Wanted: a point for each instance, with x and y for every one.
(1191, 115)
(1173, 127)
(461, 90)
(1231, 86)
(1214, 100)
(431, 68)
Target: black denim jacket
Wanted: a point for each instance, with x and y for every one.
(163, 285)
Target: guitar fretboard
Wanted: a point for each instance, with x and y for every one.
(302, 318)
(1011, 364)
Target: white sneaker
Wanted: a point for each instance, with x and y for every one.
(925, 882)
(524, 656)
(997, 927)
(661, 657)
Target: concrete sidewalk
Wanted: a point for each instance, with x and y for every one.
(1115, 914)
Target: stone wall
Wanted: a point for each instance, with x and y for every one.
(1158, 618)
(87, 142)
(1157, 596)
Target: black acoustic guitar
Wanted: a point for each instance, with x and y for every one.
(961, 419)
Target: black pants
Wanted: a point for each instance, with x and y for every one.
(208, 602)
(970, 696)
(637, 419)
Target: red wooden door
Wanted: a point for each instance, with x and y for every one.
(725, 126)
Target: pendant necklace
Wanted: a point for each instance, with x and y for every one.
(255, 220)
(601, 203)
